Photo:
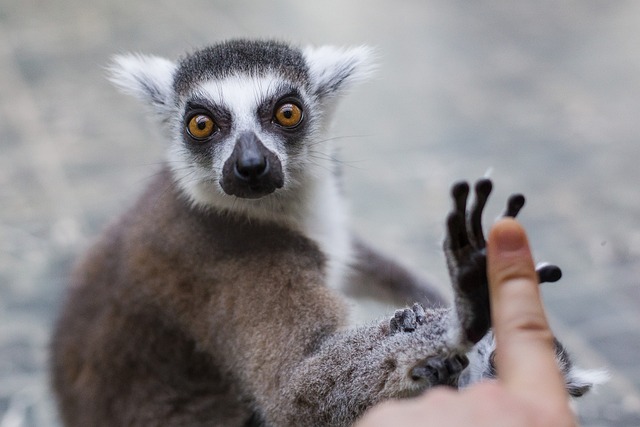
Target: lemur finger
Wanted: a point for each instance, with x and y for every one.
(514, 204)
(420, 314)
(457, 232)
(459, 193)
(482, 191)
(548, 273)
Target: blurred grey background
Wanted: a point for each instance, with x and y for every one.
(545, 93)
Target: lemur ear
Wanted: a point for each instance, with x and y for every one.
(148, 78)
(333, 70)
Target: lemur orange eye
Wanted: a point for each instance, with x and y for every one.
(201, 126)
(288, 115)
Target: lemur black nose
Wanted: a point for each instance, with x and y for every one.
(251, 166)
(252, 170)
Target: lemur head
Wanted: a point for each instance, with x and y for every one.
(246, 118)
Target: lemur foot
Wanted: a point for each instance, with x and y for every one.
(465, 251)
(407, 319)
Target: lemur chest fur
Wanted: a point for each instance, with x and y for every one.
(241, 265)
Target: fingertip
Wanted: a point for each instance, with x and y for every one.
(507, 235)
(520, 325)
(508, 253)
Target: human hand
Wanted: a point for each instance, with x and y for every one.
(530, 390)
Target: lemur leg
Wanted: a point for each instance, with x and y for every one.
(356, 369)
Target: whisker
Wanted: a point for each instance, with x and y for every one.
(337, 138)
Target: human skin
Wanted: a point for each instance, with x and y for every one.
(530, 390)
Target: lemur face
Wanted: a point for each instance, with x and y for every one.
(246, 118)
(248, 132)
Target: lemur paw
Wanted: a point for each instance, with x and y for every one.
(407, 319)
(465, 251)
(440, 370)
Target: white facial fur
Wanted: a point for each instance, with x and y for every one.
(241, 96)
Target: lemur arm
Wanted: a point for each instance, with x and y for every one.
(400, 357)
(416, 349)
(347, 371)
(356, 369)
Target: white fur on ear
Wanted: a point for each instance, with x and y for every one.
(148, 78)
(333, 69)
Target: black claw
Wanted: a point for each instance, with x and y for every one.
(548, 273)
(514, 204)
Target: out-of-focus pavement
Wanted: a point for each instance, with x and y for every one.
(545, 93)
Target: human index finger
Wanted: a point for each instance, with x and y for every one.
(525, 357)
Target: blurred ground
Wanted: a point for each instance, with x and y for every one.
(545, 93)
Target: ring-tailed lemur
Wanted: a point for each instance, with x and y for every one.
(215, 299)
